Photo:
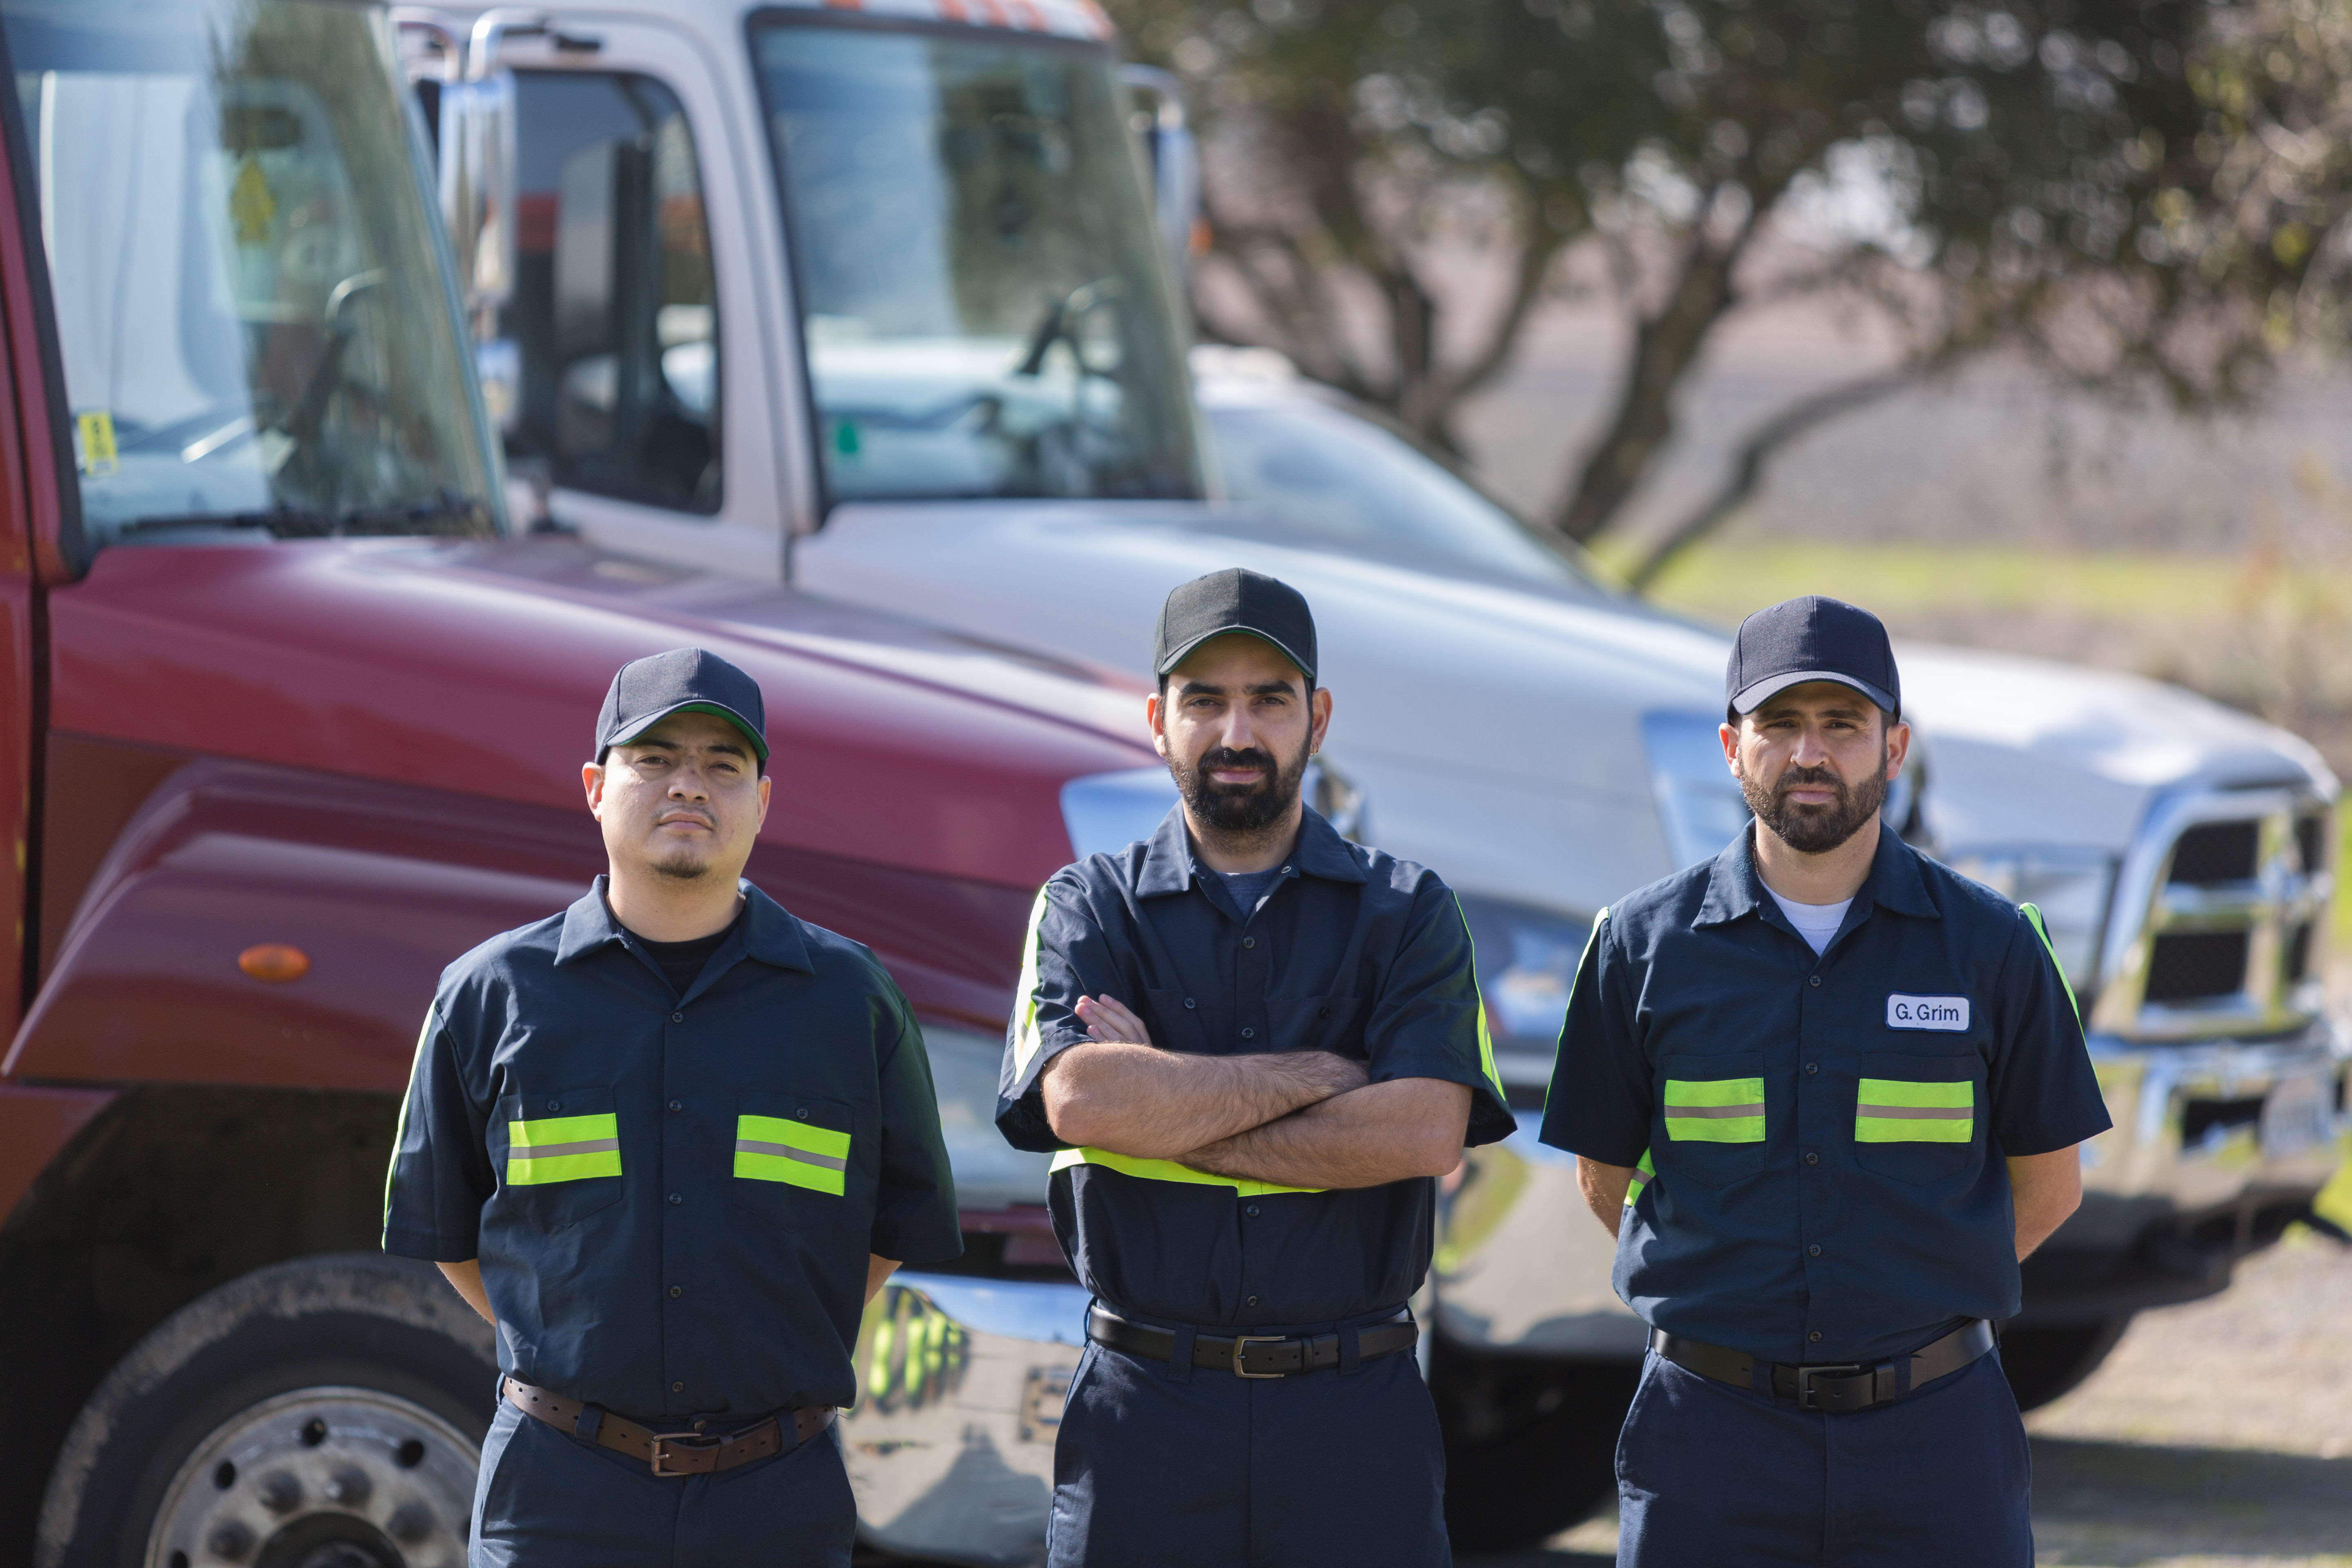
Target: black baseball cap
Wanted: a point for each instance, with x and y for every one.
(1811, 638)
(1235, 600)
(683, 680)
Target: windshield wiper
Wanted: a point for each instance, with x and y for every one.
(308, 522)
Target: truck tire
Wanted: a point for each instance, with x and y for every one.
(2044, 1363)
(324, 1413)
(1551, 1463)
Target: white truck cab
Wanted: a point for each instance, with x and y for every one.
(876, 298)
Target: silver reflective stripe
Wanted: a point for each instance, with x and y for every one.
(1917, 1112)
(786, 1151)
(551, 1151)
(1713, 1112)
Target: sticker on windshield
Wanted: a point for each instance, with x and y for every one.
(1927, 1013)
(94, 433)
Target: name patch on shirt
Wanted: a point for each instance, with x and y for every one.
(1927, 1013)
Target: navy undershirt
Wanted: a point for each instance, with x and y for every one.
(681, 962)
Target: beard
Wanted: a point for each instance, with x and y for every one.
(1240, 808)
(1817, 829)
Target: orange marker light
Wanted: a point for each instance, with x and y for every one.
(274, 961)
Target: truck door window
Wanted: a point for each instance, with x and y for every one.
(984, 304)
(251, 306)
(614, 307)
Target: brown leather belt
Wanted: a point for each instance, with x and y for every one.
(670, 1453)
(1844, 1386)
(1250, 1355)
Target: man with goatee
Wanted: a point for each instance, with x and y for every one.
(1254, 1046)
(1827, 1094)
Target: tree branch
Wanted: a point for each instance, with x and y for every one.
(1747, 468)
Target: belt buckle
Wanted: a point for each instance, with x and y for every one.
(1241, 1341)
(1805, 1375)
(689, 1442)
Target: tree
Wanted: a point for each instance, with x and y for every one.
(2140, 197)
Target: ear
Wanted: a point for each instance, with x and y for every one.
(1898, 748)
(765, 781)
(592, 779)
(1320, 708)
(1730, 738)
(1154, 717)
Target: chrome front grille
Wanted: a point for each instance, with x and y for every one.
(2220, 906)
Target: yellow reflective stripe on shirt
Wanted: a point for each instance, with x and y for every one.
(562, 1149)
(2033, 913)
(1485, 1037)
(1167, 1171)
(1026, 1036)
(773, 1149)
(1714, 1110)
(1644, 1173)
(400, 1129)
(1898, 1111)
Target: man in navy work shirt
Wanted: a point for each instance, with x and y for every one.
(1827, 1093)
(1253, 1046)
(669, 1142)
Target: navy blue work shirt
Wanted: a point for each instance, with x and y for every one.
(673, 1198)
(1819, 1140)
(1351, 952)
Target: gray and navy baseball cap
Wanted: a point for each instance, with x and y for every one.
(1235, 600)
(1811, 638)
(683, 680)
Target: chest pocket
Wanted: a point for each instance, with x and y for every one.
(1915, 1120)
(562, 1158)
(1333, 1024)
(1174, 1019)
(1715, 1120)
(791, 1158)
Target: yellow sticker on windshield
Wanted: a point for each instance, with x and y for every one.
(250, 204)
(94, 433)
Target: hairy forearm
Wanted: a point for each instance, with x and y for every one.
(465, 1278)
(2043, 1189)
(1366, 1138)
(1605, 1188)
(1152, 1104)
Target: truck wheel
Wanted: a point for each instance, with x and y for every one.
(325, 1413)
(1546, 1451)
(2044, 1363)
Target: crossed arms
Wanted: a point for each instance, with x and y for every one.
(1296, 1118)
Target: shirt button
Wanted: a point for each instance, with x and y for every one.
(1249, 1034)
(677, 1198)
(1812, 979)
(678, 1388)
(1253, 1300)
(680, 1017)
(675, 1291)
(801, 1113)
(1815, 1336)
(1812, 1066)
(1813, 1159)
(555, 1105)
(1187, 1001)
(677, 1105)
(1253, 1211)
(1249, 942)
(1814, 1250)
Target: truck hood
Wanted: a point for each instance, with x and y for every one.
(2032, 751)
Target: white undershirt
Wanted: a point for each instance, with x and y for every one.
(1815, 922)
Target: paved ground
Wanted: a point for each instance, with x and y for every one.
(2218, 1436)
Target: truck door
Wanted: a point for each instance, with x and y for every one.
(647, 410)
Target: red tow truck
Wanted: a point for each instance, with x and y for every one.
(289, 720)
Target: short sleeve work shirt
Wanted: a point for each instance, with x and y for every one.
(1827, 1133)
(1351, 952)
(673, 1198)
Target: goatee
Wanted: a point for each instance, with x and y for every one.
(1817, 829)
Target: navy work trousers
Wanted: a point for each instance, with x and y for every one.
(1165, 1466)
(1709, 1475)
(547, 1499)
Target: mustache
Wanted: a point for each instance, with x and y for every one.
(1226, 757)
(675, 814)
(1811, 778)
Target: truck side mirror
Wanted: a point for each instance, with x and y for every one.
(477, 189)
(1175, 162)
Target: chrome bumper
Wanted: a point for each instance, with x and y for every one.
(951, 1444)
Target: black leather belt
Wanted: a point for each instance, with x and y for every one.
(1845, 1385)
(1250, 1355)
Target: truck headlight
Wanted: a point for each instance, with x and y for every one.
(1699, 803)
(1527, 962)
(2070, 887)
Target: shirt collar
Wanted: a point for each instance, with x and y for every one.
(1734, 889)
(1168, 866)
(769, 931)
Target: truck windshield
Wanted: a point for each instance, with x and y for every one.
(982, 299)
(251, 304)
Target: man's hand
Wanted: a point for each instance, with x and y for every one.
(1605, 1188)
(877, 1270)
(1107, 1019)
(1132, 1099)
(465, 1278)
(1366, 1138)
(2043, 1190)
